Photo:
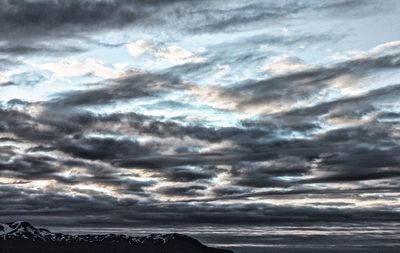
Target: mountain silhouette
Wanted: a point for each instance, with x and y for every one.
(22, 237)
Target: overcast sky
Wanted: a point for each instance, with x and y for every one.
(117, 112)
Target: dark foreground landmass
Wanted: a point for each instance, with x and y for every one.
(22, 237)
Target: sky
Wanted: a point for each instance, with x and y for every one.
(117, 113)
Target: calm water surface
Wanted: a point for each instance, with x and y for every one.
(331, 237)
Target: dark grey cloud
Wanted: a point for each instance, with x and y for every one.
(270, 174)
(12, 49)
(101, 148)
(132, 86)
(238, 193)
(7, 63)
(389, 116)
(304, 84)
(128, 153)
(28, 167)
(343, 4)
(27, 29)
(103, 210)
(354, 8)
(229, 191)
(8, 83)
(261, 160)
(235, 17)
(30, 164)
(329, 147)
(354, 106)
(221, 17)
(306, 120)
(31, 167)
(23, 20)
(27, 18)
(182, 190)
(181, 174)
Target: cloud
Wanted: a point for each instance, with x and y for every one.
(251, 145)
(171, 54)
(298, 88)
(3, 79)
(283, 65)
(181, 191)
(387, 47)
(7, 63)
(354, 106)
(132, 85)
(113, 174)
(22, 19)
(104, 210)
(182, 174)
(25, 19)
(242, 126)
(102, 148)
(73, 67)
(177, 55)
(233, 16)
(391, 47)
(15, 48)
(139, 47)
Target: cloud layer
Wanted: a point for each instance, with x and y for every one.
(146, 112)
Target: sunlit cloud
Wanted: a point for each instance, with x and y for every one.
(171, 54)
(75, 68)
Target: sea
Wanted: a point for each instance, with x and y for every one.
(277, 238)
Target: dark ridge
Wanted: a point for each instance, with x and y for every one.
(22, 237)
